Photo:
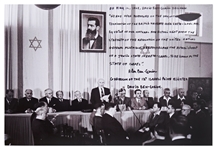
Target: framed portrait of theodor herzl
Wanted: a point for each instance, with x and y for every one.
(92, 31)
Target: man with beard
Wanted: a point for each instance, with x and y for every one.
(92, 39)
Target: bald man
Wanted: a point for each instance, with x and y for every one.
(99, 92)
(27, 103)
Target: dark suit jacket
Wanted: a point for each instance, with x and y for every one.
(95, 95)
(178, 102)
(78, 106)
(62, 105)
(42, 131)
(114, 131)
(199, 128)
(150, 102)
(163, 102)
(135, 105)
(52, 103)
(24, 104)
(96, 45)
(12, 106)
(127, 102)
(158, 119)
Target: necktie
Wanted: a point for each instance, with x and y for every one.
(102, 93)
(139, 103)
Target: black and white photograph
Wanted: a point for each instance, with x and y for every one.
(108, 75)
(92, 31)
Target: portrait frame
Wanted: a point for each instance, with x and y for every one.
(99, 43)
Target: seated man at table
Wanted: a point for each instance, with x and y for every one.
(138, 103)
(27, 103)
(166, 98)
(193, 98)
(180, 99)
(158, 117)
(50, 100)
(79, 103)
(149, 100)
(11, 103)
(114, 132)
(62, 104)
(44, 131)
(121, 100)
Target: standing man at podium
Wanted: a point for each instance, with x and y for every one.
(100, 94)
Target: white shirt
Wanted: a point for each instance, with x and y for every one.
(167, 99)
(7, 101)
(138, 100)
(171, 114)
(96, 114)
(156, 113)
(178, 137)
(180, 98)
(92, 41)
(79, 100)
(122, 99)
(107, 112)
(198, 111)
(48, 100)
(28, 99)
(101, 88)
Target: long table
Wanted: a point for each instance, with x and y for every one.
(18, 126)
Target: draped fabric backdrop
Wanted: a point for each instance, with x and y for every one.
(59, 64)
(171, 67)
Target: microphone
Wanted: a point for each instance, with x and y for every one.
(137, 118)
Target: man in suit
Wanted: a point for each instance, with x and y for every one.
(166, 98)
(11, 103)
(171, 113)
(199, 127)
(122, 100)
(178, 130)
(98, 93)
(186, 111)
(138, 103)
(62, 104)
(92, 40)
(194, 97)
(27, 103)
(149, 100)
(157, 117)
(114, 132)
(201, 94)
(44, 130)
(79, 103)
(50, 100)
(180, 99)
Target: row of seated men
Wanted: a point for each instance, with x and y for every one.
(27, 103)
(164, 127)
